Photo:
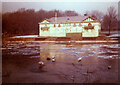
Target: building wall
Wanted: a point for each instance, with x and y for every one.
(60, 30)
(91, 32)
(57, 32)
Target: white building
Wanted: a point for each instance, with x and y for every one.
(72, 26)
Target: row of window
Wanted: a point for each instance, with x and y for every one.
(62, 25)
(85, 28)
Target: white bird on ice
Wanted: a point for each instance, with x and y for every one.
(41, 63)
(109, 67)
(53, 56)
(79, 59)
(110, 57)
(53, 60)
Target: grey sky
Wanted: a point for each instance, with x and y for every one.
(79, 7)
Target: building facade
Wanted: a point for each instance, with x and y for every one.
(75, 26)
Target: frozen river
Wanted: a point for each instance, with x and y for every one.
(93, 68)
(40, 49)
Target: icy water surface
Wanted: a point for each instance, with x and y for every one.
(91, 69)
(39, 48)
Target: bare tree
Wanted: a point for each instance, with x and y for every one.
(105, 22)
(97, 15)
(110, 19)
(70, 13)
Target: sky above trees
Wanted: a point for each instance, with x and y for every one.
(79, 7)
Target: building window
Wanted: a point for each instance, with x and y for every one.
(59, 25)
(69, 24)
(44, 28)
(74, 25)
(68, 19)
(89, 27)
(45, 25)
(79, 25)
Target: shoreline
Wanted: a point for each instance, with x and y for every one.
(64, 40)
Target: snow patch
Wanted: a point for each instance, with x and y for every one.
(26, 36)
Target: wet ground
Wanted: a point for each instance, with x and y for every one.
(99, 62)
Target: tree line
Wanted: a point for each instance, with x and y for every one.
(25, 21)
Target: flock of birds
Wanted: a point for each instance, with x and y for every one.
(41, 63)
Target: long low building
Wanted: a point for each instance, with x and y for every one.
(70, 26)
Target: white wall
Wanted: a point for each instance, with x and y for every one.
(65, 28)
(91, 33)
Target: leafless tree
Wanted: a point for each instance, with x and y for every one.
(97, 15)
(71, 13)
(110, 19)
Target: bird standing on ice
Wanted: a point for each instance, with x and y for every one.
(110, 57)
(48, 58)
(109, 67)
(79, 59)
(53, 58)
(41, 64)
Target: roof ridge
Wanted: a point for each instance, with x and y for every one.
(78, 18)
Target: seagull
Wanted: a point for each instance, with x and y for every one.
(79, 59)
(109, 67)
(110, 57)
(41, 64)
(53, 60)
(53, 57)
(48, 58)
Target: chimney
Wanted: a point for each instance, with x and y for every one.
(85, 14)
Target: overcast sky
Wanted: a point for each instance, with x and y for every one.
(79, 7)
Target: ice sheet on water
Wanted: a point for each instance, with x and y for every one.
(6, 48)
(73, 48)
(80, 52)
(32, 45)
(58, 45)
(89, 41)
(35, 56)
(72, 55)
(70, 45)
(13, 53)
(114, 35)
(25, 51)
(112, 51)
(100, 52)
(60, 51)
(33, 48)
(113, 46)
(26, 36)
(95, 46)
(91, 55)
(66, 48)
